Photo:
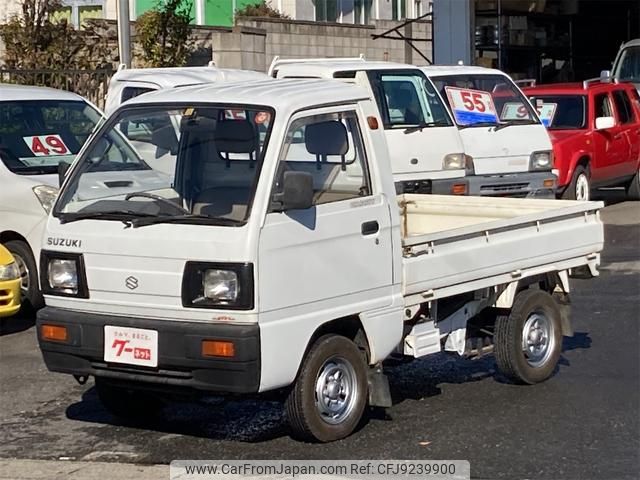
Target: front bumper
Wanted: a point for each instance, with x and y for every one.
(9, 297)
(525, 184)
(439, 186)
(180, 363)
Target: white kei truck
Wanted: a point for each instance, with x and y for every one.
(279, 258)
(427, 154)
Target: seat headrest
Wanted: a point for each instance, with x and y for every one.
(236, 136)
(326, 138)
(165, 138)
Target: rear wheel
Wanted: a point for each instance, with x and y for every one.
(328, 398)
(127, 402)
(31, 295)
(633, 189)
(528, 342)
(580, 186)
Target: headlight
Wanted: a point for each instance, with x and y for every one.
(63, 275)
(9, 272)
(220, 286)
(46, 195)
(453, 161)
(225, 286)
(541, 161)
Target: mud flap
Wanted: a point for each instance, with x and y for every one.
(379, 392)
(564, 305)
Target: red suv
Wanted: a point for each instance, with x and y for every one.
(595, 130)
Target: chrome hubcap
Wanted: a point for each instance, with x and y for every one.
(336, 390)
(25, 277)
(538, 341)
(582, 187)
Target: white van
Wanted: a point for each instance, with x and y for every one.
(427, 155)
(127, 83)
(501, 131)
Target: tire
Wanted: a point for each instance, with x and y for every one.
(580, 186)
(633, 189)
(31, 295)
(127, 403)
(340, 404)
(534, 319)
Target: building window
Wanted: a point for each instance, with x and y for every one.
(327, 10)
(76, 11)
(399, 9)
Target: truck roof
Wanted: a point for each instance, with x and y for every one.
(28, 92)
(287, 95)
(442, 70)
(326, 69)
(175, 76)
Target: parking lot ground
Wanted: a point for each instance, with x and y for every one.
(583, 423)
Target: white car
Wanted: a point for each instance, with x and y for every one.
(39, 128)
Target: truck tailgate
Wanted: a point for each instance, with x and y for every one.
(454, 244)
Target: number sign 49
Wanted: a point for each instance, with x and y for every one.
(43, 145)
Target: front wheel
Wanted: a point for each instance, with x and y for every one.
(328, 398)
(528, 342)
(29, 288)
(580, 186)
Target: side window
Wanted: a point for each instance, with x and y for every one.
(129, 92)
(330, 148)
(603, 106)
(403, 101)
(623, 106)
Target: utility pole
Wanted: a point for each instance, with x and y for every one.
(124, 37)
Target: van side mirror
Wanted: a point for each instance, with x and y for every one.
(63, 167)
(297, 192)
(603, 123)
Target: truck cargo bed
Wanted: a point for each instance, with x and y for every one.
(456, 244)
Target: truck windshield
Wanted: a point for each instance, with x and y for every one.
(560, 112)
(408, 99)
(36, 135)
(191, 164)
(628, 66)
(484, 99)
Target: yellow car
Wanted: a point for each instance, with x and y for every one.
(9, 284)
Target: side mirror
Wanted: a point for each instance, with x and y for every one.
(603, 123)
(605, 74)
(297, 191)
(63, 167)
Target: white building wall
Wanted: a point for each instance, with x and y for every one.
(9, 8)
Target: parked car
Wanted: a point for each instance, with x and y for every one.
(595, 129)
(511, 149)
(9, 284)
(128, 83)
(626, 66)
(39, 128)
(286, 263)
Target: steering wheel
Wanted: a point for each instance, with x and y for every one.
(160, 199)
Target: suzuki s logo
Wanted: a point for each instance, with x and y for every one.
(131, 283)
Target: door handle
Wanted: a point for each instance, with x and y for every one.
(369, 228)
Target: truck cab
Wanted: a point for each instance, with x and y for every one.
(427, 155)
(511, 150)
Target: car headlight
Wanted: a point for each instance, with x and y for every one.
(453, 161)
(541, 161)
(218, 285)
(63, 275)
(9, 272)
(46, 195)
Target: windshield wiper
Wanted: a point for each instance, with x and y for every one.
(190, 218)
(420, 126)
(510, 123)
(110, 215)
(478, 124)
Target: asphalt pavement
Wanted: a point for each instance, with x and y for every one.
(583, 423)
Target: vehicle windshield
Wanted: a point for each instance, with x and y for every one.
(628, 67)
(36, 135)
(480, 100)
(408, 99)
(197, 164)
(560, 112)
